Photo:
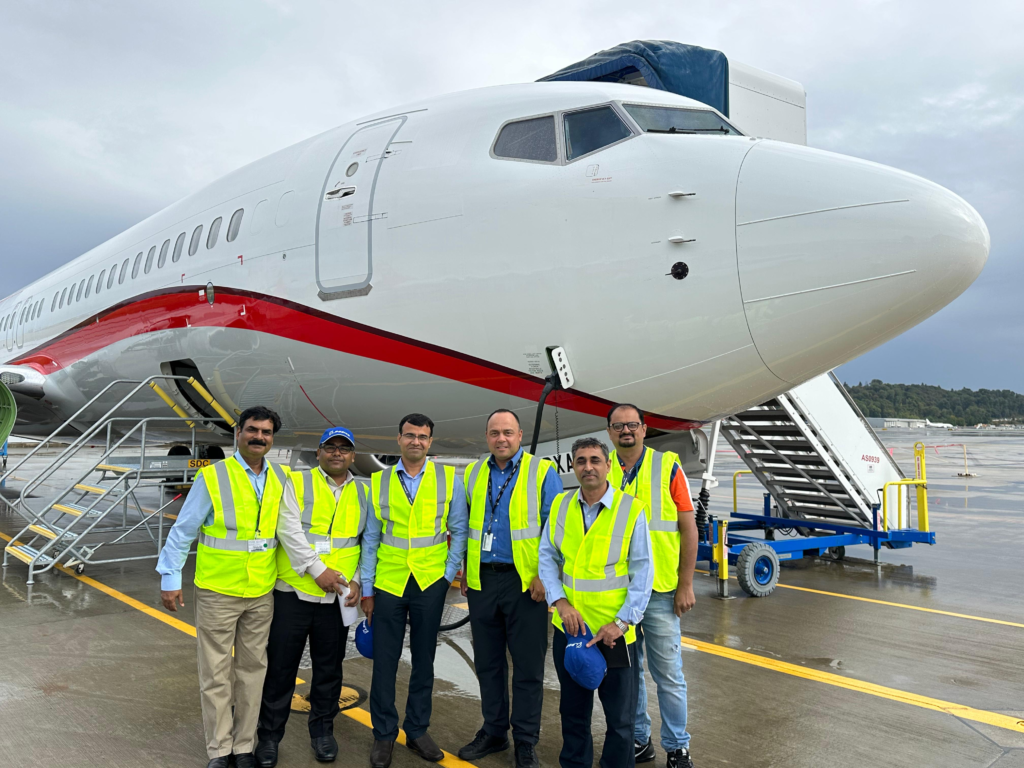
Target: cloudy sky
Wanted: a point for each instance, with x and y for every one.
(110, 110)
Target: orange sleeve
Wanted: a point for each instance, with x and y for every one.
(680, 490)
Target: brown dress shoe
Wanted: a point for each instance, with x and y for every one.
(425, 747)
(380, 755)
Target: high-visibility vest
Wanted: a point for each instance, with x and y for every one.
(224, 562)
(324, 520)
(414, 537)
(523, 515)
(595, 571)
(662, 516)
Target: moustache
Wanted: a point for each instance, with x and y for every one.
(257, 442)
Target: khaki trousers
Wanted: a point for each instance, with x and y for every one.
(227, 681)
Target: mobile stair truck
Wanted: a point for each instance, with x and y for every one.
(829, 482)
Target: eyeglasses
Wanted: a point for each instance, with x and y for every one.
(409, 437)
(629, 426)
(333, 449)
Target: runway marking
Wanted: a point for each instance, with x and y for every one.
(891, 604)
(925, 702)
(893, 694)
(357, 714)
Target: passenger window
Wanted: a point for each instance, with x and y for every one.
(71, 294)
(88, 286)
(62, 295)
(149, 259)
(163, 254)
(124, 272)
(53, 306)
(111, 276)
(591, 130)
(178, 245)
(528, 140)
(99, 280)
(197, 235)
(211, 239)
(135, 265)
(81, 287)
(235, 224)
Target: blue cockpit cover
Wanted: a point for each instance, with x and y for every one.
(689, 70)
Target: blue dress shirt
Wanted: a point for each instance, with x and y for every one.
(497, 521)
(458, 526)
(641, 572)
(196, 512)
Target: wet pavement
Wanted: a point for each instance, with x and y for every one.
(90, 680)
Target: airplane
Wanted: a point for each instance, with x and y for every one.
(431, 257)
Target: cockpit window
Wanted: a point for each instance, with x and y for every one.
(673, 120)
(591, 130)
(532, 139)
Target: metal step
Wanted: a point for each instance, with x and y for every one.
(27, 554)
(43, 531)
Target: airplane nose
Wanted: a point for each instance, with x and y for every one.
(838, 255)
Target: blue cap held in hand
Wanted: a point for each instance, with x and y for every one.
(343, 432)
(585, 665)
(364, 639)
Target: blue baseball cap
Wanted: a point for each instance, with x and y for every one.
(344, 432)
(585, 665)
(364, 639)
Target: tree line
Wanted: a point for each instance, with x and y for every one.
(962, 407)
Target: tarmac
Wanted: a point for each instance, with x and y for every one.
(914, 662)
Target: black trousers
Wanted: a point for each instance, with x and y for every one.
(294, 621)
(423, 609)
(502, 616)
(618, 695)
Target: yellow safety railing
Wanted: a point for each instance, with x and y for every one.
(213, 403)
(920, 482)
(735, 477)
(178, 410)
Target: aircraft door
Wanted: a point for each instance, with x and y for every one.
(346, 214)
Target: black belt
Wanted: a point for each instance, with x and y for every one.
(499, 567)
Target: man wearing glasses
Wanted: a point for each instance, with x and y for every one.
(323, 512)
(657, 479)
(407, 567)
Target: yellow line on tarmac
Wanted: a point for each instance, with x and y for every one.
(925, 702)
(357, 714)
(906, 606)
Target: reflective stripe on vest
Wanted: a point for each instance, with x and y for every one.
(652, 485)
(422, 556)
(325, 518)
(224, 563)
(595, 582)
(523, 514)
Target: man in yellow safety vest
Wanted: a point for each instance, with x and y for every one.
(595, 562)
(510, 493)
(407, 567)
(233, 508)
(658, 480)
(323, 513)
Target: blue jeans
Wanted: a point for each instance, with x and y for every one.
(661, 646)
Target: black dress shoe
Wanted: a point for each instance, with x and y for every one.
(325, 747)
(483, 744)
(245, 760)
(425, 747)
(644, 753)
(380, 755)
(266, 754)
(526, 755)
(220, 762)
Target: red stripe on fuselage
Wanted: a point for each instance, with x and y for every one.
(183, 308)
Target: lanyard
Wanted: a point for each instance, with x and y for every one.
(634, 471)
(501, 492)
(259, 501)
(408, 495)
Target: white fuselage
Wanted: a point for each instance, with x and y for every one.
(395, 264)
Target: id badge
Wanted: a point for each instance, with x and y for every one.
(322, 547)
(257, 545)
(487, 541)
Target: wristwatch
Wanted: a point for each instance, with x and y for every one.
(623, 626)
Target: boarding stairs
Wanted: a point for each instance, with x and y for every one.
(814, 452)
(79, 507)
